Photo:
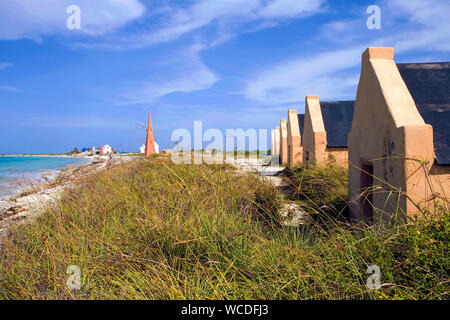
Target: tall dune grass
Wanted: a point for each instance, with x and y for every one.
(322, 188)
(153, 230)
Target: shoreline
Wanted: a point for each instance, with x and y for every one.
(75, 155)
(20, 181)
(30, 202)
(39, 155)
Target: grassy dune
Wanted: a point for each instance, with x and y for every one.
(153, 230)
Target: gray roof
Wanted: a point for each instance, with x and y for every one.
(429, 85)
(301, 124)
(337, 118)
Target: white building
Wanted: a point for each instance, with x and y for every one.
(142, 148)
(106, 149)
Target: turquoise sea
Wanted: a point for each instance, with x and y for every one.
(17, 173)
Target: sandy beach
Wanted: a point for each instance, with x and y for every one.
(39, 155)
(33, 200)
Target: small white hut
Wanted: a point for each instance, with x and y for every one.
(106, 149)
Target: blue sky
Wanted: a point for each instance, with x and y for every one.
(229, 63)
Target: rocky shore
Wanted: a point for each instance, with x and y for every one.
(31, 202)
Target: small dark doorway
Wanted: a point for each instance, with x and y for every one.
(289, 155)
(367, 192)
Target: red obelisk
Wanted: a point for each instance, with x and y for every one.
(150, 144)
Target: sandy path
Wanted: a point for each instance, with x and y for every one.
(292, 215)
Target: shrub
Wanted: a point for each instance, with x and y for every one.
(322, 188)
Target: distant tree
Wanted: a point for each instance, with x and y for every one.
(75, 150)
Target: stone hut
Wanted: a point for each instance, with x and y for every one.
(283, 142)
(295, 126)
(275, 146)
(399, 145)
(325, 132)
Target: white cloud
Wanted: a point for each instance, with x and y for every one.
(289, 8)
(205, 12)
(186, 74)
(230, 16)
(428, 29)
(319, 75)
(9, 88)
(35, 18)
(429, 13)
(330, 75)
(266, 110)
(5, 65)
(58, 120)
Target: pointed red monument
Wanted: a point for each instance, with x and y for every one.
(150, 143)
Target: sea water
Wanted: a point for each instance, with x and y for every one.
(18, 173)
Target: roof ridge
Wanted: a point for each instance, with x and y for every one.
(337, 100)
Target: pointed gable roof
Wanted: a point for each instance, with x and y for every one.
(429, 85)
(301, 124)
(337, 118)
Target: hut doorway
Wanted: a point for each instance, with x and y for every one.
(289, 155)
(367, 192)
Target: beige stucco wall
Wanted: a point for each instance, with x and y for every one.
(277, 140)
(283, 142)
(275, 146)
(295, 154)
(315, 148)
(440, 176)
(272, 142)
(340, 155)
(389, 135)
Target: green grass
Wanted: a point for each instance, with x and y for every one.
(322, 188)
(153, 230)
